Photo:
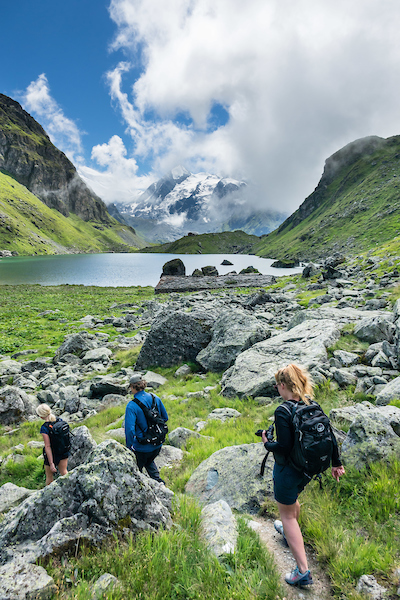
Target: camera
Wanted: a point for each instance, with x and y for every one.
(269, 434)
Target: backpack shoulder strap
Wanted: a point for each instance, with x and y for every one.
(140, 404)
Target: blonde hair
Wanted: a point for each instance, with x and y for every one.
(297, 380)
(44, 412)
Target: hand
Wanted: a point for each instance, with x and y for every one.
(53, 468)
(337, 472)
(264, 437)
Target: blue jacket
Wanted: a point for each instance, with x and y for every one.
(136, 424)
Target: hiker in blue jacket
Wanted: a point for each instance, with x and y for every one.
(136, 427)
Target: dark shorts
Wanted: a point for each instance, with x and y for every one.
(288, 483)
(55, 458)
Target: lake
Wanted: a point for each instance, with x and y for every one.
(114, 270)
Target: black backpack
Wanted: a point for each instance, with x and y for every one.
(313, 438)
(156, 426)
(60, 437)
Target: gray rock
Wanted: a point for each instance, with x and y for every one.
(391, 391)
(77, 344)
(381, 360)
(69, 399)
(174, 267)
(223, 414)
(154, 380)
(10, 367)
(103, 385)
(20, 581)
(110, 400)
(374, 435)
(11, 495)
(82, 445)
(310, 270)
(168, 457)
(219, 528)
(183, 371)
(209, 271)
(87, 503)
(368, 585)
(347, 359)
(117, 434)
(253, 371)
(179, 436)
(101, 355)
(176, 337)
(344, 378)
(232, 474)
(232, 333)
(105, 585)
(375, 329)
(15, 405)
(340, 316)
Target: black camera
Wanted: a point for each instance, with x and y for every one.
(269, 434)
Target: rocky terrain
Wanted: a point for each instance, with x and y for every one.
(244, 336)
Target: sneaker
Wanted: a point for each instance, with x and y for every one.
(279, 528)
(297, 578)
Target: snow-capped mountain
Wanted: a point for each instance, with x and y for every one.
(183, 202)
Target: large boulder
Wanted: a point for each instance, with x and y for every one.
(15, 405)
(103, 385)
(10, 367)
(232, 333)
(174, 267)
(77, 344)
(19, 581)
(374, 435)
(82, 445)
(341, 316)
(375, 329)
(176, 337)
(90, 502)
(253, 371)
(11, 495)
(232, 474)
(390, 392)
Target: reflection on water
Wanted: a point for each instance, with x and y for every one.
(119, 269)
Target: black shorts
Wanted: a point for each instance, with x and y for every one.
(56, 458)
(288, 483)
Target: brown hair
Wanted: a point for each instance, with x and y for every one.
(140, 385)
(297, 380)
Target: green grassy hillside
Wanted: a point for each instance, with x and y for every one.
(228, 242)
(28, 226)
(354, 208)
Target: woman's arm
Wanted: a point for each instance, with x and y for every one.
(49, 452)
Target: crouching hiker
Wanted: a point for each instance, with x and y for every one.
(57, 442)
(145, 426)
(305, 447)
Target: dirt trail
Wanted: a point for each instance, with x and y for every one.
(285, 562)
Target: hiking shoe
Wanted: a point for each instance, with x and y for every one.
(297, 578)
(279, 528)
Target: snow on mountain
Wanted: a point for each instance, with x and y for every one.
(181, 202)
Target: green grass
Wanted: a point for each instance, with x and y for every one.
(228, 242)
(174, 565)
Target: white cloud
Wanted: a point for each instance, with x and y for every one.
(63, 132)
(299, 80)
(119, 181)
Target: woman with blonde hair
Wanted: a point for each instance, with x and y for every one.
(52, 460)
(295, 387)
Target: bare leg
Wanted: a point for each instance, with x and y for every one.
(289, 517)
(62, 466)
(49, 475)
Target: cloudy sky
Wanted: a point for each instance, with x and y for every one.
(262, 90)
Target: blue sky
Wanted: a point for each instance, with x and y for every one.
(264, 90)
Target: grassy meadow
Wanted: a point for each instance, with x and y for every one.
(353, 527)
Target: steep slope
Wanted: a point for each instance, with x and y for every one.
(355, 206)
(183, 202)
(28, 226)
(27, 153)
